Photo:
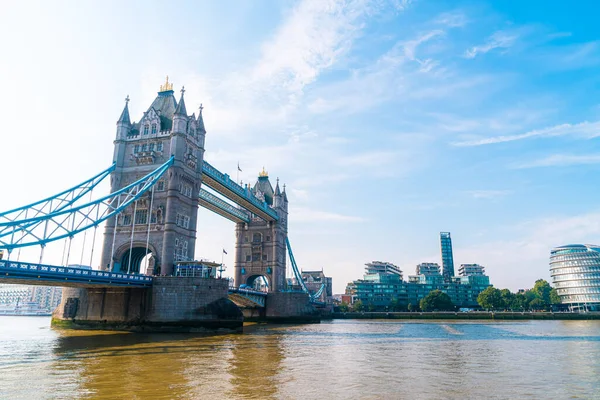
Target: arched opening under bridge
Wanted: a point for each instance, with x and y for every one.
(258, 282)
(142, 260)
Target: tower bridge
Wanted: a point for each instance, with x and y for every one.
(158, 180)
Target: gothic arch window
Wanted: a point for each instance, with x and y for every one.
(256, 238)
(146, 129)
(153, 128)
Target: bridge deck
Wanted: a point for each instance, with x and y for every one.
(52, 275)
(222, 184)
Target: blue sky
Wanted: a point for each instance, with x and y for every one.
(389, 121)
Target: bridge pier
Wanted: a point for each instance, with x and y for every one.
(172, 304)
(288, 307)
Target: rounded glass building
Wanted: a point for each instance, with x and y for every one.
(575, 271)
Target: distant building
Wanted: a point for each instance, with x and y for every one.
(428, 269)
(447, 257)
(350, 289)
(42, 298)
(314, 280)
(471, 270)
(380, 289)
(575, 271)
(382, 267)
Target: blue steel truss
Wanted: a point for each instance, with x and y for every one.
(221, 207)
(69, 221)
(12, 219)
(245, 194)
(298, 275)
(52, 275)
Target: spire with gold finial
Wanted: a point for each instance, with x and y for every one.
(167, 86)
(263, 173)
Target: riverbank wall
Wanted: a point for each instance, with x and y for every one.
(467, 315)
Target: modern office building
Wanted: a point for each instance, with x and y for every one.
(447, 258)
(471, 270)
(379, 289)
(575, 271)
(428, 269)
(382, 267)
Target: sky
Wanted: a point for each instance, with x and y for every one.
(389, 121)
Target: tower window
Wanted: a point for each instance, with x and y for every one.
(186, 190)
(160, 186)
(144, 147)
(146, 129)
(268, 238)
(256, 257)
(248, 257)
(153, 128)
(246, 240)
(136, 149)
(141, 217)
(151, 147)
(183, 221)
(264, 257)
(159, 147)
(256, 238)
(126, 219)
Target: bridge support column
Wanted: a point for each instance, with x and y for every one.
(172, 304)
(290, 307)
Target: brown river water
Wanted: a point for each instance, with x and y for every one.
(344, 359)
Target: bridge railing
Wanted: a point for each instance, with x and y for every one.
(226, 181)
(234, 289)
(53, 271)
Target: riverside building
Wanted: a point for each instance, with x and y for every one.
(447, 257)
(380, 288)
(575, 272)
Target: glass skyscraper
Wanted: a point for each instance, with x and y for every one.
(447, 258)
(575, 271)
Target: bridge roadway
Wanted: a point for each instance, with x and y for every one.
(15, 272)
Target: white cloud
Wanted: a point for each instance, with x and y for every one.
(561, 160)
(500, 39)
(455, 19)
(585, 129)
(410, 46)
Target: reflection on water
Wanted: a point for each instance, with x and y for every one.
(336, 360)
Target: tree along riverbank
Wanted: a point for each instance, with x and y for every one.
(474, 315)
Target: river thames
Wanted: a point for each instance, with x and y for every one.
(344, 359)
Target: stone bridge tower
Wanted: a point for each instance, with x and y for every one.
(164, 130)
(260, 249)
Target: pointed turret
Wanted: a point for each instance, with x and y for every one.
(124, 123)
(180, 110)
(200, 121)
(284, 194)
(277, 191)
(277, 199)
(180, 118)
(124, 118)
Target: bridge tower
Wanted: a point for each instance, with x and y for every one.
(260, 249)
(160, 228)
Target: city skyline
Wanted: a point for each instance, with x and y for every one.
(388, 121)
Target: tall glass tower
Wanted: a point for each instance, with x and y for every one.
(447, 258)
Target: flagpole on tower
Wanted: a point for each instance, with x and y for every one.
(222, 269)
(237, 177)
